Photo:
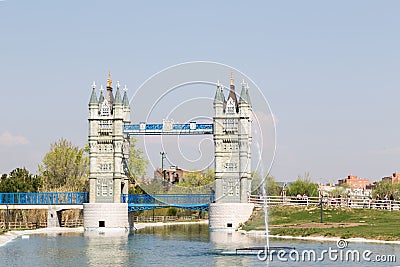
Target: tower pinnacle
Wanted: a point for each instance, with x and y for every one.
(109, 82)
(232, 80)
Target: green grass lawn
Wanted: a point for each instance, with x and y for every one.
(337, 222)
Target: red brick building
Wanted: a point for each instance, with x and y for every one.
(173, 174)
(394, 179)
(352, 181)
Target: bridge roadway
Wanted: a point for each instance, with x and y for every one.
(75, 200)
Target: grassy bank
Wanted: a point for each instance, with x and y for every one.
(337, 222)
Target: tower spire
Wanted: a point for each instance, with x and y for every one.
(109, 95)
(232, 93)
(125, 100)
(219, 95)
(109, 82)
(244, 96)
(93, 97)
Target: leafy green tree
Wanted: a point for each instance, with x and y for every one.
(65, 167)
(271, 186)
(137, 162)
(136, 190)
(20, 180)
(386, 188)
(303, 185)
(151, 186)
(338, 191)
(197, 178)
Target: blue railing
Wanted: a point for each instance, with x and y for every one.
(150, 127)
(131, 127)
(44, 198)
(180, 126)
(148, 202)
(204, 126)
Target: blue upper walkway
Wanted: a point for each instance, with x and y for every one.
(168, 129)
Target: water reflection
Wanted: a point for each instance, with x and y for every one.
(109, 248)
(230, 240)
(183, 245)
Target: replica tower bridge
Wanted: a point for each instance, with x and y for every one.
(110, 129)
(107, 204)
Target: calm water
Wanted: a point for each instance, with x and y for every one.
(183, 245)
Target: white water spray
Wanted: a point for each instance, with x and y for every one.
(264, 193)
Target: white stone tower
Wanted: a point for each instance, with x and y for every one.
(232, 141)
(109, 151)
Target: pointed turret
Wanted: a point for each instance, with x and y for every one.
(244, 95)
(93, 97)
(219, 95)
(101, 97)
(118, 99)
(126, 107)
(125, 100)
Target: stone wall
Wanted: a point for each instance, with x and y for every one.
(104, 216)
(228, 216)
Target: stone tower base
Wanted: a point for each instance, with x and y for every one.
(104, 217)
(228, 216)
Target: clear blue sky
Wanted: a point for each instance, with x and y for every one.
(330, 70)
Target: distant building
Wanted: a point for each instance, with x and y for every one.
(394, 179)
(354, 182)
(172, 175)
(326, 189)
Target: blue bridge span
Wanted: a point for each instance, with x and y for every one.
(135, 202)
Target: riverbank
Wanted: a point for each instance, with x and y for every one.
(261, 234)
(303, 222)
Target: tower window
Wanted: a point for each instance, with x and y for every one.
(230, 106)
(105, 167)
(105, 124)
(229, 166)
(105, 109)
(230, 125)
